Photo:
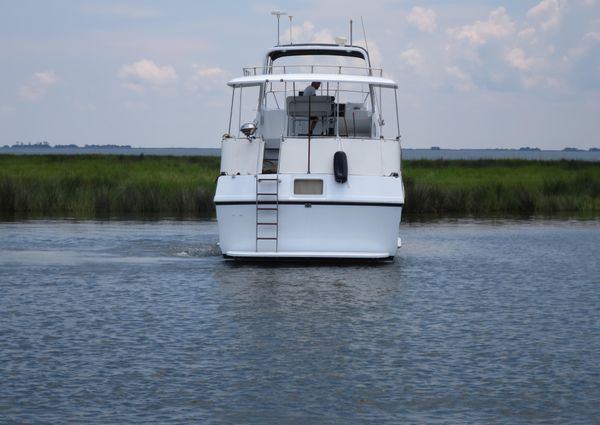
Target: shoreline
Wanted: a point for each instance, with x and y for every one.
(104, 186)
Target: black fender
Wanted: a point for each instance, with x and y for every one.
(340, 167)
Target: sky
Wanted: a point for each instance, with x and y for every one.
(471, 74)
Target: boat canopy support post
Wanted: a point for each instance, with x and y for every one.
(337, 114)
(381, 120)
(231, 110)
(240, 112)
(397, 116)
(309, 132)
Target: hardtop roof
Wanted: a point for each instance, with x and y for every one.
(257, 80)
(308, 49)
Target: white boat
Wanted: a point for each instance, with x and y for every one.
(335, 192)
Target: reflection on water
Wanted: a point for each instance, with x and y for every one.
(144, 322)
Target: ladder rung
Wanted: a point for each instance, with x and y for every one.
(270, 202)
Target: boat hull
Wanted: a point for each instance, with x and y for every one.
(330, 227)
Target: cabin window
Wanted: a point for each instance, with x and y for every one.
(308, 187)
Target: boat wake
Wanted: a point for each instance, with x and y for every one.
(208, 250)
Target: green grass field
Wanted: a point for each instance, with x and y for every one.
(110, 185)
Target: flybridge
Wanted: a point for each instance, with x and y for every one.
(311, 50)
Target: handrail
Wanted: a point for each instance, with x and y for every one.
(313, 69)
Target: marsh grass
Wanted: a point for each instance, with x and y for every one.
(152, 186)
(501, 187)
(105, 185)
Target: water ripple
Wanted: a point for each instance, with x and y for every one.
(475, 322)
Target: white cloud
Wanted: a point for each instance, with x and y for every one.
(587, 45)
(207, 79)
(305, 33)
(374, 52)
(146, 71)
(544, 7)
(300, 33)
(592, 36)
(549, 12)
(527, 33)
(210, 72)
(46, 78)
(459, 78)
(412, 57)
(38, 85)
(323, 36)
(422, 18)
(516, 57)
(498, 25)
(134, 87)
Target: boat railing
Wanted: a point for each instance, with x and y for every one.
(327, 92)
(313, 69)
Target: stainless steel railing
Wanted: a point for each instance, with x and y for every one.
(313, 69)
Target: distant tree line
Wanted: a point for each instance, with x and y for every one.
(45, 144)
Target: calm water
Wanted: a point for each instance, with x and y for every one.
(133, 322)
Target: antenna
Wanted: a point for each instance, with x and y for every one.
(279, 14)
(351, 32)
(290, 17)
(364, 33)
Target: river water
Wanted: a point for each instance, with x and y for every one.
(476, 321)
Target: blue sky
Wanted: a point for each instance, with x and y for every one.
(472, 74)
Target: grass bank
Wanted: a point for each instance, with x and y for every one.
(109, 185)
(501, 187)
